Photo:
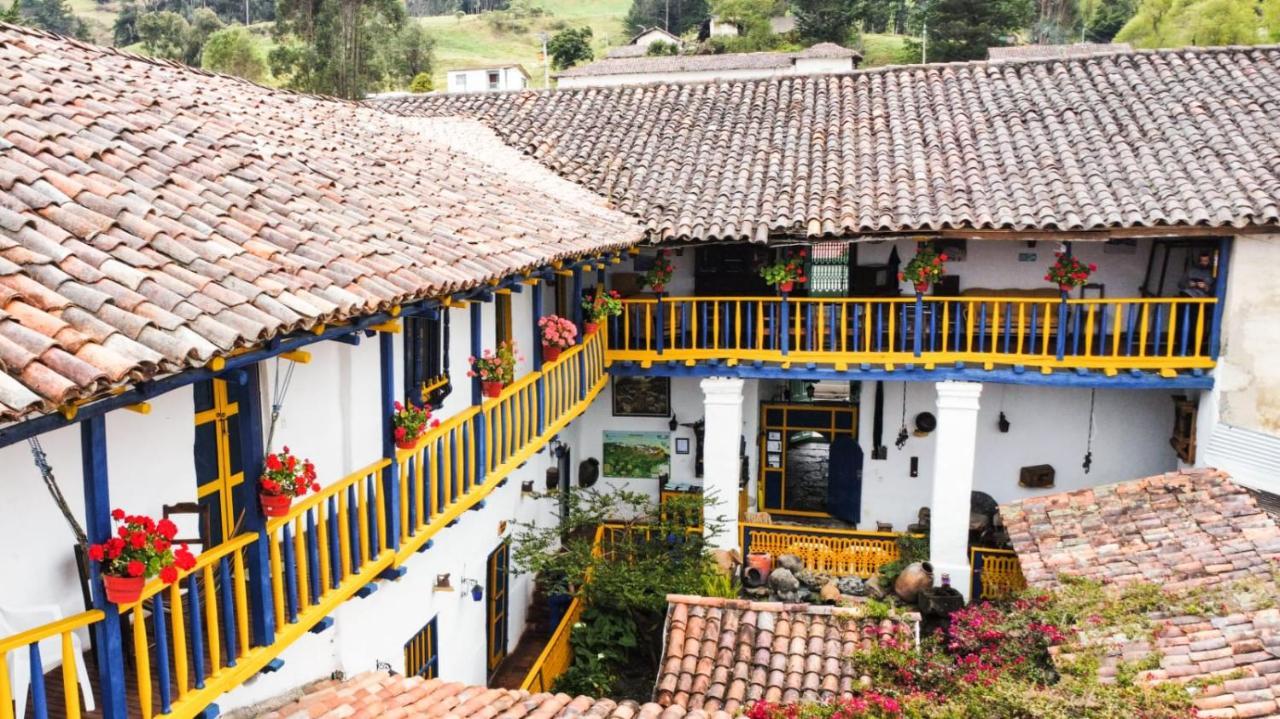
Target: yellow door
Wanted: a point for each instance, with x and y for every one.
(217, 455)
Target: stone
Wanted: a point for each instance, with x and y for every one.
(781, 580)
(851, 585)
(811, 579)
(790, 562)
(874, 590)
(830, 593)
(756, 592)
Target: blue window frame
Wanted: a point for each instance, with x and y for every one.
(422, 652)
(426, 359)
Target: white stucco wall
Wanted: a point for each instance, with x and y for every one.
(477, 80)
(1248, 372)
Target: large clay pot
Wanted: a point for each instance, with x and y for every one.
(122, 590)
(917, 577)
(756, 572)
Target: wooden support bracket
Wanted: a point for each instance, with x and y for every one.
(392, 326)
(299, 356)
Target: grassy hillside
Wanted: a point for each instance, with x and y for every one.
(473, 40)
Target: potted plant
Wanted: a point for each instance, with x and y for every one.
(495, 368)
(558, 334)
(283, 478)
(926, 268)
(600, 307)
(142, 548)
(786, 272)
(1068, 272)
(660, 274)
(409, 423)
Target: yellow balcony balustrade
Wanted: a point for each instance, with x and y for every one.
(1110, 335)
(996, 573)
(836, 552)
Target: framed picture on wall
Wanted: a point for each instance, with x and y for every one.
(774, 461)
(682, 445)
(642, 397)
(773, 445)
(639, 455)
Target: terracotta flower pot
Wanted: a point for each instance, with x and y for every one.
(785, 287)
(922, 287)
(491, 389)
(123, 590)
(659, 288)
(275, 505)
(408, 442)
(756, 572)
(551, 353)
(1065, 287)
(590, 327)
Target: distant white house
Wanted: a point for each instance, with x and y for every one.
(715, 27)
(488, 79)
(821, 59)
(639, 44)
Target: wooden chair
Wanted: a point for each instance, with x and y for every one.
(177, 514)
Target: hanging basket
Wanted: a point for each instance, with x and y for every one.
(590, 327)
(408, 442)
(275, 505)
(922, 287)
(491, 389)
(123, 590)
(786, 287)
(551, 353)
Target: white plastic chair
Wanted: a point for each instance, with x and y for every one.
(19, 619)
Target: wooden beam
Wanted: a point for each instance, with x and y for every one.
(299, 356)
(392, 327)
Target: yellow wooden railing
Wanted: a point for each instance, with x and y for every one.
(836, 552)
(557, 655)
(996, 573)
(1110, 335)
(326, 550)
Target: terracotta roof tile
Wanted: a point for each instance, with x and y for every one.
(723, 654)
(153, 216)
(1142, 139)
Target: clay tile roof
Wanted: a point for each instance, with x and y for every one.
(1044, 52)
(1123, 140)
(153, 216)
(1179, 530)
(375, 694)
(1185, 532)
(724, 654)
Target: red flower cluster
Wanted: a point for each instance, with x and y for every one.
(790, 268)
(928, 266)
(142, 547)
(867, 705)
(1069, 271)
(660, 274)
(284, 475)
(409, 422)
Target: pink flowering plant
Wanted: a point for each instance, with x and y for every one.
(496, 365)
(602, 305)
(557, 331)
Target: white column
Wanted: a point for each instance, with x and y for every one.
(955, 445)
(722, 400)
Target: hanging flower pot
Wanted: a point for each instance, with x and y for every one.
(141, 548)
(660, 274)
(786, 287)
(1069, 272)
(275, 505)
(558, 334)
(123, 590)
(550, 353)
(407, 443)
(491, 389)
(928, 266)
(922, 287)
(599, 308)
(786, 271)
(495, 368)
(589, 328)
(409, 423)
(1062, 287)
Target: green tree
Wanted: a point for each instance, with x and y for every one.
(1178, 23)
(422, 82)
(964, 29)
(674, 16)
(204, 23)
(751, 16)
(124, 31)
(414, 53)
(52, 15)
(570, 47)
(824, 20)
(336, 47)
(233, 51)
(662, 47)
(1104, 18)
(13, 15)
(164, 34)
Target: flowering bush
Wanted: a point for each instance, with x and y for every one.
(409, 422)
(284, 476)
(790, 268)
(495, 366)
(660, 274)
(1068, 271)
(143, 548)
(602, 305)
(927, 267)
(557, 331)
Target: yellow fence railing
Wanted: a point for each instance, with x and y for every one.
(836, 552)
(1166, 334)
(996, 573)
(557, 655)
(190, 642)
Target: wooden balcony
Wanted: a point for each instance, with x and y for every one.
(1162, 336)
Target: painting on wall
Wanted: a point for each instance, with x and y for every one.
(642, 397)
(637, 455)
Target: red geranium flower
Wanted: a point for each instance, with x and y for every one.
(135, 568)
(169, 574)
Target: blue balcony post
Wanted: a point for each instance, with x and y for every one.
(582, 356)
(784, 322)
(390, 473)
(576, 300)
(97, 500)
(1220, 296)
(915, 333)
(477, 398)
(1062, 314)
(540, 388)
(660, 325)
(257, 555)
